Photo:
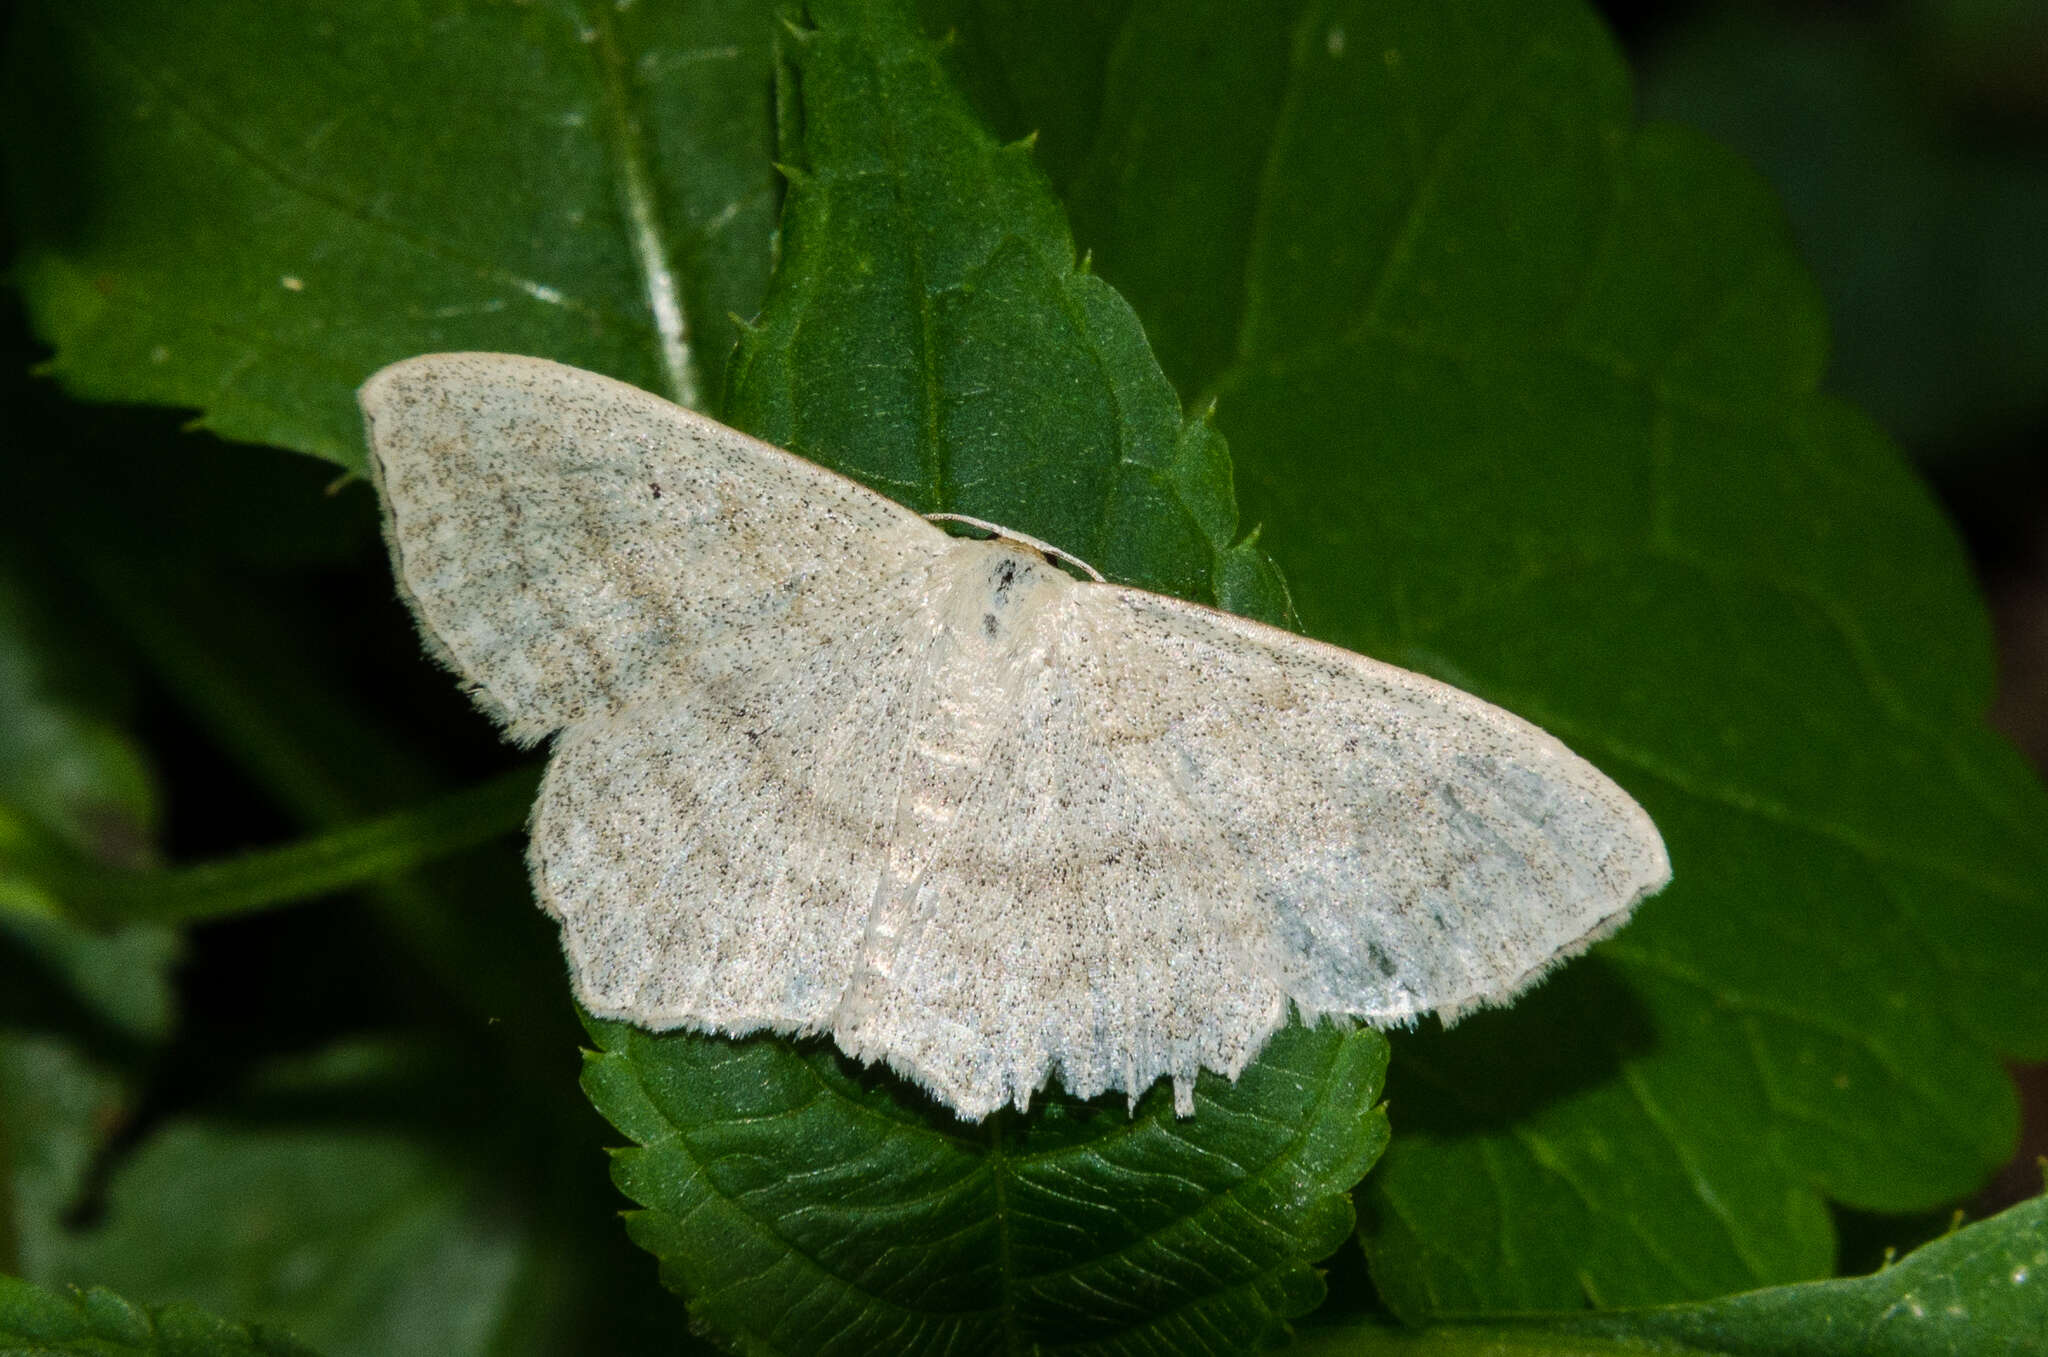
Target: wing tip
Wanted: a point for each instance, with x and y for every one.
(1647, 883)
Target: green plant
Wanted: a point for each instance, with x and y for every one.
(1515, 392)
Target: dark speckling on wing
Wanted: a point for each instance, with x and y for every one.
(821, 767)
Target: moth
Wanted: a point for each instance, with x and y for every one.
(820, 766)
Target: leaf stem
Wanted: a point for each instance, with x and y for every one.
(354, 855)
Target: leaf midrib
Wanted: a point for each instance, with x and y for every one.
(646, 231)
(932, 453)
(997, 1162)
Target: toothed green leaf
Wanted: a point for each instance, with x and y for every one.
(1525, 394)
(994, 377)
(98, 1323)
(283, 198)
(805, 1205)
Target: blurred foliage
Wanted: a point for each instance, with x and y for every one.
(98, 1323)
(1910, 152)
(306, 1206)
(1517, 391)
(1975, 1291)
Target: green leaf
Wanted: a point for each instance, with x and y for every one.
(212, 213)
(1525, 394)
(98, 1323)
(807, 1205)
(67, 773)
(995, 378)
(74, 790)
(362, 1241)
(57, 1109)
(376, 1198)
(1981, 1291)
(113, 984)
(802, 1208)
(1914, 226)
